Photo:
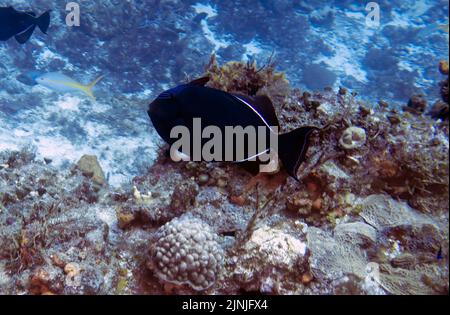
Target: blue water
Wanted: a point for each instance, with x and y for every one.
(144, 47)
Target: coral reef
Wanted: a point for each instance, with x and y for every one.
(368, 216)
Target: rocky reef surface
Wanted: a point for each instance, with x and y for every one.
(370, 214)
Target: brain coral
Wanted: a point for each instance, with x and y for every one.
(187, 251)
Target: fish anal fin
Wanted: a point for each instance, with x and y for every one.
(23, 37)
(199, 82)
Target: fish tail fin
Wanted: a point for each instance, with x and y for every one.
(292, 148)
(44, 22)
(23, 37)
(88, 89)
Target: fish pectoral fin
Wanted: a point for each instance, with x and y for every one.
(23, 37)
(262, 105)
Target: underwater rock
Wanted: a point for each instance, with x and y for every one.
(45, 281)
(332, 172)
(274, 248)
(53, 226)
(17, 159)
(186, 251)
(125, 218)
(440, 110)
(353, 138)
(299, 203)
(88, 281)
(157, 197)
(222, 215)
(417, 103)
(272, 255)
(90, 167)
(183, 197)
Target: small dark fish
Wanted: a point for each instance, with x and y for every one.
(180, 105)
(439, 254)
(21, 25)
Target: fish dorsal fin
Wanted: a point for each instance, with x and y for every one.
(263, 105)
(199, 81)
(10, 8)
(23, 37)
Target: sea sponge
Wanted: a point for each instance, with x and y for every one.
(186, 251)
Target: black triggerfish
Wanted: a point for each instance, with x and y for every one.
(179, 106)
(21, 25)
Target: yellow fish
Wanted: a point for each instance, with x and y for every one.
(59, 82)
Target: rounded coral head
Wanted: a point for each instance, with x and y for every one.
(187, 251)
